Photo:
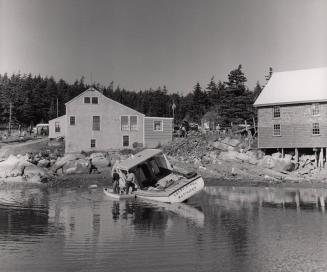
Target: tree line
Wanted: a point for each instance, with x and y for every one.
(34, 99)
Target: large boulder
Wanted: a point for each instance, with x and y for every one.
(21, 169)
(233, 156)
(66, 161)
(11, 167)
(79, 166)
(100, 160)
(277, 164)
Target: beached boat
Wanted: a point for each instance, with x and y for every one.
(158, 180)
(110, 193)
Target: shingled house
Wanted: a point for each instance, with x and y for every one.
(292, 111)
(96, 122)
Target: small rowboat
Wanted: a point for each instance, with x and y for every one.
(157, 178)
(110, 193)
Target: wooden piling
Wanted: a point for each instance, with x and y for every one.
(296, 155)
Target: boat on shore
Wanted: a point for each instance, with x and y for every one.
(157, 179)
(110, 193)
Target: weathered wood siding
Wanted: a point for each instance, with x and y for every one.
(154, 138)
(296, 127)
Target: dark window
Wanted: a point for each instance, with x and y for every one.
(157, 125)
(276, 111)
(277, 130)
(72, 120)
(87, 100)
(133, 122)
(57, 127)
(92, 143)
(124, 123)
(125, 140)
(95, 100)
(315, 129)
(96, 123)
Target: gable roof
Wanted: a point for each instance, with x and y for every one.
(103, 96)
(293, 87)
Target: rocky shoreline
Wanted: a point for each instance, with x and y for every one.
(221, 160)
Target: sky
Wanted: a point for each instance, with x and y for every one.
(142, 44)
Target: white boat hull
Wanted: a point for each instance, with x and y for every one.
(111, 194)
(178, 194)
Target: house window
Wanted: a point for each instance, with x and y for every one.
(276, 111)
(315, 129)
(96, 123)
(87, 100)
(72, 120)
(277, 130)
(57, 127)
(125, 140)
(157, 125)
(124, 123)
(315, 109)
(93, 143)
(133, 122)
(95, 100)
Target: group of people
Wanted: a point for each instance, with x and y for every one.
(123, 182)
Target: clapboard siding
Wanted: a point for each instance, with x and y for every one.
(154, 138)
(296, 127)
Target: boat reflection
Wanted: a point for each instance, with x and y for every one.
(236, 197)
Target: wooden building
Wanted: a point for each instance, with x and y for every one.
(96, 122)
(292, 111)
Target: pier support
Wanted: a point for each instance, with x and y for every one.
(296, 155)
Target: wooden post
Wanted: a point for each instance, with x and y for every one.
(297, 201)
(316, 162)
(322, 203)
(283, 153)
(321, 158)
(296, 155)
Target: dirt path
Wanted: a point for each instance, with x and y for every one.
(22, 148)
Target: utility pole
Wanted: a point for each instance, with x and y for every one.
(57, 107)
(9, 125)
(173, 108)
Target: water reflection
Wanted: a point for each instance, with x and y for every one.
(220, 229)
(237, 197)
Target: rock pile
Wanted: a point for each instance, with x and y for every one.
(20, 169)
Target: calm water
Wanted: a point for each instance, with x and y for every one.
(221, 229)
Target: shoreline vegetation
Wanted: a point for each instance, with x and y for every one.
(220, 159)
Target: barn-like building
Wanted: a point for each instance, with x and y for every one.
(292, 111)
(96, 122)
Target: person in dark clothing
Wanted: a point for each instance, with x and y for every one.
(93, 168)
(115, 182)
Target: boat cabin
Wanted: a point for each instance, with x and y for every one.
(149, 166)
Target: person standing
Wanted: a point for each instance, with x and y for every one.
(115, 182)
(130, 181)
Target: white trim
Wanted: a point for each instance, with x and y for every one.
(143, 133)
(104, 98)
(161, 121)
(290, 103)
(129, 122)
(151, 117)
